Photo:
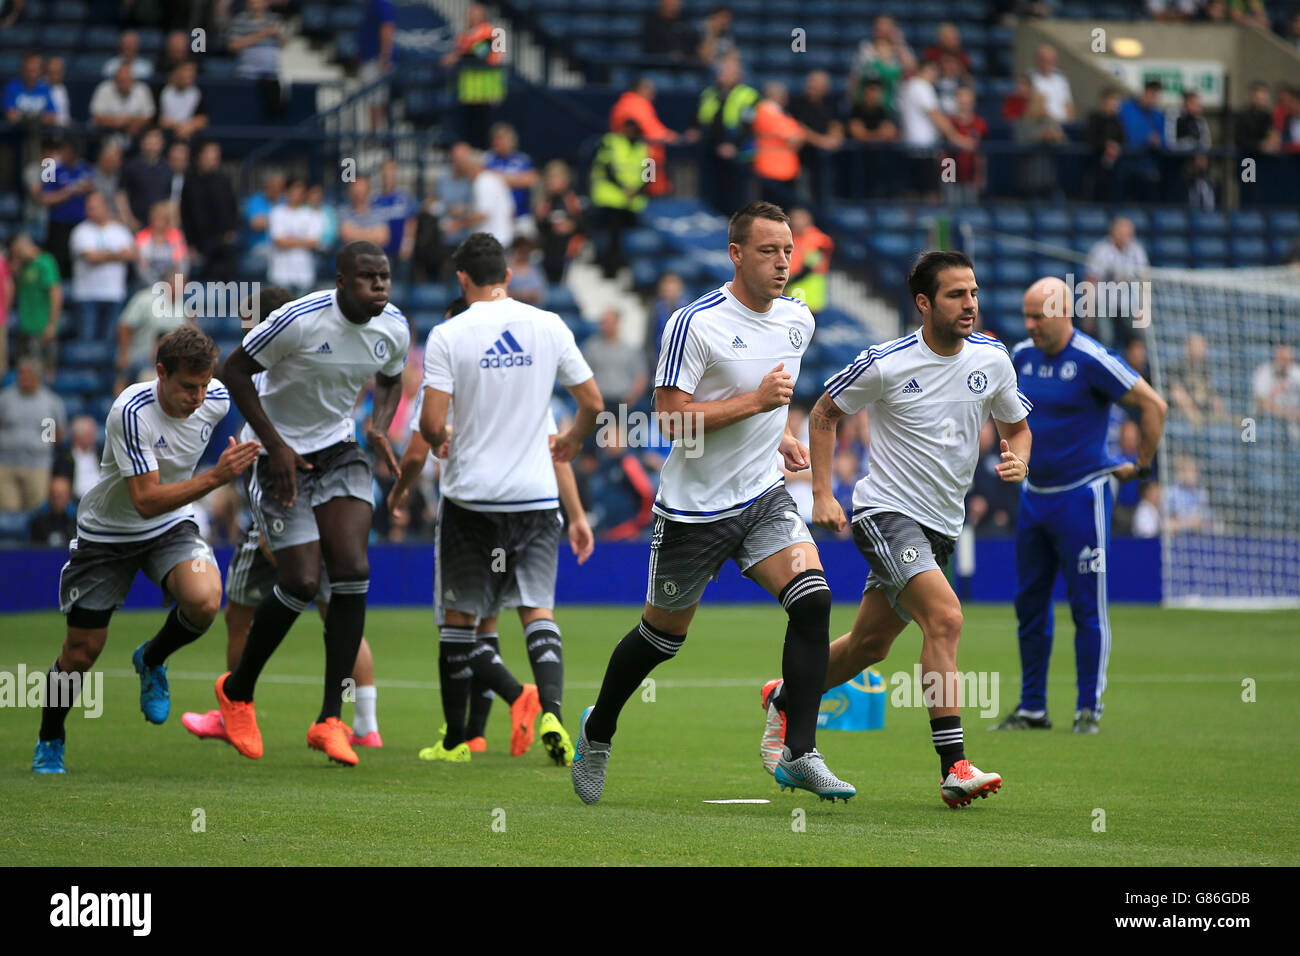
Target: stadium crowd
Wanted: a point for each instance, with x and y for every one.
(147, 199)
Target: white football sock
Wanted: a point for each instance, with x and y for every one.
(363, 711)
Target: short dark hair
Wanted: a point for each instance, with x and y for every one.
(187, 347)
(456, 306)
(743, 218)
(1153, 84)
(264, 301)
(481, 258)
(349, 254)
(924, 277)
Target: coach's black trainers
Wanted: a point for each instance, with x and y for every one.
(1086, 722)
(1018, 721)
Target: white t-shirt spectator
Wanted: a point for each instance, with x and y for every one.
(1055, 89)
(1109, 263)
(179, 106)
(1146, 520)
(105, 281)
(916, 98)
(295, 268)
(62, 105)
(108, 101)
(1282, 390)
(492, 198)
(141, 69)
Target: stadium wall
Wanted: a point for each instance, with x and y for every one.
(616, 574)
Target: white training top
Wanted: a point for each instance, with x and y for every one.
(500, 360)
(317, 362)
(713, 349)
(139, 438)
(925, 420)
(417, 407)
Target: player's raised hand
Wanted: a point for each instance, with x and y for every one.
(828, 514)
(284, 464)
(776, 389)
(235, 457)
(794, 452)
(1012, 468)
(581, 540)
(379, 441)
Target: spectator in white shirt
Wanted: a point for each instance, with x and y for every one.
(492, 205)
(128, 54)
(85, 452)
(180, 103)
(1276, 386)
(1146, 517)
(1051, 82)
(122, 103)
(101, 250)
(295, 231)
(54, 68)
(924, 125)
(1118, 258)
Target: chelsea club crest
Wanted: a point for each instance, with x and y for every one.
(381, 349)
(796, 338)
(977, 382)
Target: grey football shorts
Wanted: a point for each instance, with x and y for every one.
(686, 556)
(487, 560)
(98, 575)
(339, 471)
(898, 548)
(251, 576)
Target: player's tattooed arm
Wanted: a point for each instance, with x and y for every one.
(388, 391)
(822, 420)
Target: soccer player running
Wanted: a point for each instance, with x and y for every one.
(727, 368)
(140, 517)
(580, 539)
(310, 490)
(498, 526)
(1065, 508)
(251, 576)
(930, 393)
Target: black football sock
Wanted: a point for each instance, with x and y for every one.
(59, 688)
(641, 650)
(807, 600)
(480, 694)
(271, 622)
(485, 661)
(949, 741)
(542, 638)
(345, 623)
(454, 673)
(176, 632)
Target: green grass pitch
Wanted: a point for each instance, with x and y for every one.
(1185, 771)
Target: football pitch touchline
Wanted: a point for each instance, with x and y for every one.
(682, 684)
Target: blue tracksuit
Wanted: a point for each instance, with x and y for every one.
(1065, 510)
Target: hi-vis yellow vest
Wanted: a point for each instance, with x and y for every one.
(740, 99)
(627, 161)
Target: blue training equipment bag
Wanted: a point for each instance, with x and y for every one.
(858, 704)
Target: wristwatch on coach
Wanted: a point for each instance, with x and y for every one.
(1142, 473)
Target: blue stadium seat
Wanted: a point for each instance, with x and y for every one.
(852, 218)
(1170, 221)
(977, 217)
(429, 295)
(893, 217)
(1249, 250)
(1052, 219)
(61, 36)
(20, 36)
(71, 383)
(99, 38)
(315, 19)
(1209, 223)
(10, 205)
(1210, 251)
(1284, 222)
(69, 11)
(1248, 222)
(1012, 219)
(1170, 251)
(560, 298)
(1090, 223)
(1013, 272)
(642, 242)
(13, 527)
(1280, 248)
(86, 355)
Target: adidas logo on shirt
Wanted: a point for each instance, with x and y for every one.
(737, 344)
(506, 352)
(160, 443)
(324, 349)
(912, 388)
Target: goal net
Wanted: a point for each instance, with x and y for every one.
(1219, 342)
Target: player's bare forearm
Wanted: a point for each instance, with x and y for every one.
(674, 406)
(1018, 439)
(388, 392)
(433, 416)
(822, 421)
(568, 486)
(237, 373)
(152, 499)
(1153, 410)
